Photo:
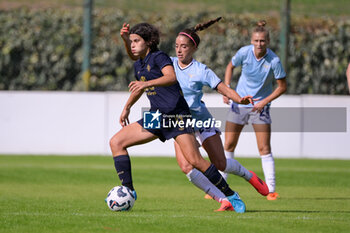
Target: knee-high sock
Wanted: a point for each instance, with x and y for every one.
(123, 167)
(198, 179)
(228, 155)
(215, 178)
(268, 165)
(234, 167)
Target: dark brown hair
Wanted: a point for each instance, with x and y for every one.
(191, 32)
(149, 33)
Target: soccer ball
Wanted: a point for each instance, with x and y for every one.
(120, 198)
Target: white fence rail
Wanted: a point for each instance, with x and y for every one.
(72, 123)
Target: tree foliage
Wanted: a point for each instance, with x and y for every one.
(42, 49)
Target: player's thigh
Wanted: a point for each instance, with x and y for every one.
(232, 133)
(131, 135)
(263, 137)
(213, 146)
(185, 166)
(188, 144)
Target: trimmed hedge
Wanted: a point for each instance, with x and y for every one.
(42, 49)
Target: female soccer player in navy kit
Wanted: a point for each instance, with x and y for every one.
(192, 76)
(155, 74)
(260, 66)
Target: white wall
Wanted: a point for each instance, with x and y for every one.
(82, 123)
(52, 123)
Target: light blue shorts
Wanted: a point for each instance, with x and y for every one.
(204, 133)
(245, 115)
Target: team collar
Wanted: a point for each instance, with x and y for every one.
(185, 66)
(143, 61)
(267, 51)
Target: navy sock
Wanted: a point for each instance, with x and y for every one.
(216, 178)
(123, 167)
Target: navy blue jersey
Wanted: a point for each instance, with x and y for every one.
(168, 99)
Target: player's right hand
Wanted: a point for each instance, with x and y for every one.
(248, 100)
(124, 32)
(124, 117)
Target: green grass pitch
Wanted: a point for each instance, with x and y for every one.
(66, 194)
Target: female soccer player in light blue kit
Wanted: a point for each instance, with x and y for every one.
(192, 76)
(260, 67)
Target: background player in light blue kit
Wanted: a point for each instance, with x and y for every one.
(260, 67)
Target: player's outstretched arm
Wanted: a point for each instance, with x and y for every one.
(228, 92)
(281, 88)
(168, 78)
(233, 95)
(227, 81)
(133, 98)
(124, 33)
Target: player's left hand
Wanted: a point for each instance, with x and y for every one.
(259, 106)
(136, 86)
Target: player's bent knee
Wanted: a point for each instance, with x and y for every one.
(186, 168)
(115, 143)
(200, 164)
(229, 146)
(264, 150)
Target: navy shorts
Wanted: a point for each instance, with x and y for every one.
(170, 130)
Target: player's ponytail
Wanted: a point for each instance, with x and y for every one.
(191, 32)
(260, 27)
(202, 26)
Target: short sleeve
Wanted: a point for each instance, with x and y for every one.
(237, 59)
(162, 60)
(210, 78)
(278, 70)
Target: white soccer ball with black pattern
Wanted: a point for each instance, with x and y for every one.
(120, 198)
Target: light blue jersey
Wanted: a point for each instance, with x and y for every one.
(257, 75)
(192, 78)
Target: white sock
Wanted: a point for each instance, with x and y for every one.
(228, 155)
(268, 165)
(201, 181)
(234, 167)
(224, 174)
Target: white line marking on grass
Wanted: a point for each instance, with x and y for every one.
(59, 166)
(133, 215)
